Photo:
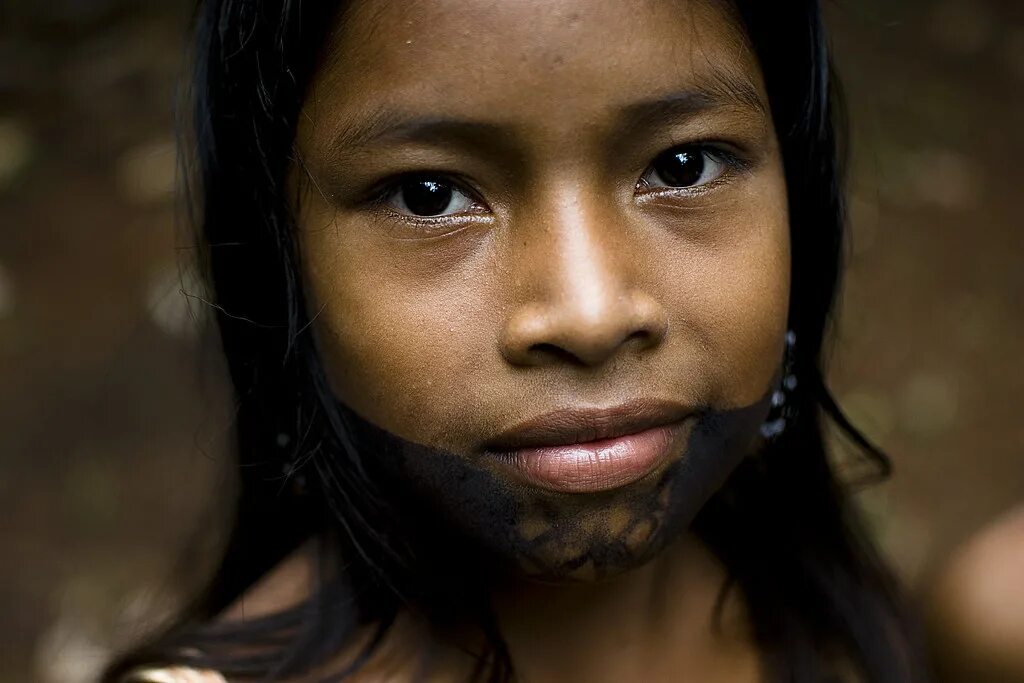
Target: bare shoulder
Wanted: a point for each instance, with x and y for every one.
(289, 584)
(978, 603)
(399, 658)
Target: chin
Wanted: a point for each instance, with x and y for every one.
(594, 537)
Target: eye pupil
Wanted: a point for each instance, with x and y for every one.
(680, 168)
(426, 197)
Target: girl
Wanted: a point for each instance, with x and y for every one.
(524, 306)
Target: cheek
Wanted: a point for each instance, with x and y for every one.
(401, 346)
(733, 293)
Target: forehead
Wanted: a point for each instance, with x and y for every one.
(529, 62)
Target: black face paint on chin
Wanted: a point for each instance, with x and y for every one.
(468, 522)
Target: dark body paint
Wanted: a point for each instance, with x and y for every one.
(465, 519)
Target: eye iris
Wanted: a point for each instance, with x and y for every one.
(681, 168)
(426, 197)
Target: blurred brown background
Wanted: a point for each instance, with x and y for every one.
(112, 405)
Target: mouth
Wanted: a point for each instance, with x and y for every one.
(594, 449)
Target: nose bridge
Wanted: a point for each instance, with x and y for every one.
(578, 297)
(576, 259)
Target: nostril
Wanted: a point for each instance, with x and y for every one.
(643, 336)
(570, 333)
(554, 352)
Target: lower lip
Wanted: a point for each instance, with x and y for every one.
(598, 465)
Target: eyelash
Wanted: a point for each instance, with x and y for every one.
(731, 162)
(379, 200)
(389, 188)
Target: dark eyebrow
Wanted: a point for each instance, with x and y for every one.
(718, 90)
(397, 126)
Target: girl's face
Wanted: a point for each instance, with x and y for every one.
(531, 224)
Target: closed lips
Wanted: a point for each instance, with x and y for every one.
(589, 450)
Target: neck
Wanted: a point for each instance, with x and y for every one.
(653, 623)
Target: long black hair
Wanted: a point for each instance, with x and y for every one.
(783, 524)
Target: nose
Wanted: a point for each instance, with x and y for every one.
(582, 305)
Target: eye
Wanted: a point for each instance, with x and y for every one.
(428, 196)
(683, 167)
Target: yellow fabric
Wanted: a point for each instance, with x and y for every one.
(178, 674)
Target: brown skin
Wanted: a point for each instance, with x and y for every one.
(977, 607)
(564, 279)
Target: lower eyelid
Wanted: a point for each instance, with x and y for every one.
(693, 191)
(470, 214)
(405, 228)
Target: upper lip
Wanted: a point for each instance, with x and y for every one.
(570, 426)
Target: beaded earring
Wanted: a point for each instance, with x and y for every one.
(782, 409)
